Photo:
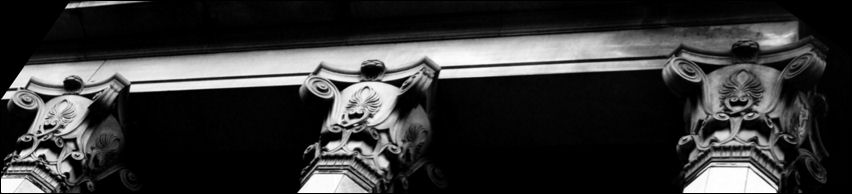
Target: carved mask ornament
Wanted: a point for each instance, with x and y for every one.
(752, 108)
(76, 137)
(377, 129)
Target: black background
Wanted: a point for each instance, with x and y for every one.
(612, 131)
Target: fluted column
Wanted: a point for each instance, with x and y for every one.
(76, 138)
(752, 117)
(377, 128)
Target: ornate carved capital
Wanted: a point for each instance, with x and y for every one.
(76, 137)
(754, 107)
(377, 128)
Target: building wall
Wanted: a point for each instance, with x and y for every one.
(528, 101)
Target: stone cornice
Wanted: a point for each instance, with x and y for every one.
(766, 57)
(625, 50)
(78, 37)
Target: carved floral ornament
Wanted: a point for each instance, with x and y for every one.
(377, 129)
(758, 106)
(76, 137)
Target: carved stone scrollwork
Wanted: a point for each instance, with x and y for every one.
(377, 130)
(754, 108)
(76, 137)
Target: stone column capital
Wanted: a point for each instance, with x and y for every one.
(377, 130)
(76, 137)
(754, 106)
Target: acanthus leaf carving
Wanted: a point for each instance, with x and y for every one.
(362, 105)
(741, 91)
